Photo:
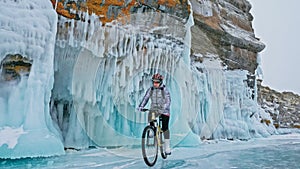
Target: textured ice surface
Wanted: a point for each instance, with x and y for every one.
(28, 28)
(274, 152)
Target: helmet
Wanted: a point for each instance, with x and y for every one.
(157, 77)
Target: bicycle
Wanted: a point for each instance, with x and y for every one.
(152, 138)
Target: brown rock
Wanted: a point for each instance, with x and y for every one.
(14, 66)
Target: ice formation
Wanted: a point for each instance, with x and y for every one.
(28, 28)
(102, 72)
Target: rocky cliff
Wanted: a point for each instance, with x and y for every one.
(222, 27)
(284, 107)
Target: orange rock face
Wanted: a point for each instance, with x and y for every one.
(109, 10)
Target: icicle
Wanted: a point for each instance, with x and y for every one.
(71, 33)
(56, 2)
(85, 29)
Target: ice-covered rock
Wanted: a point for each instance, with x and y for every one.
(27, 29)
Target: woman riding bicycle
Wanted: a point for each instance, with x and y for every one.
(160, 101)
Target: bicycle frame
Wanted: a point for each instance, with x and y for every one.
(157, 135)
(157, 126)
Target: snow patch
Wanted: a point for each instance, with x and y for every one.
(10, 136)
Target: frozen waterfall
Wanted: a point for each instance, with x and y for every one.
(28, 28)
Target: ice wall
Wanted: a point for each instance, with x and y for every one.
(102, 72)
(110, 73)
(28, 28)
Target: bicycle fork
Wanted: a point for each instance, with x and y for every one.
(158, 135)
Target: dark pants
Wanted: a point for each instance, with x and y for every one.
(164, 122)
(165, 126)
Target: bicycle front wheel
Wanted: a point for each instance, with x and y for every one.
(149, 146)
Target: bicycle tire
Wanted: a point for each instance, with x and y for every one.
(149, 150)
(163, 155)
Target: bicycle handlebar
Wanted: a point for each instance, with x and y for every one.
(154, 110)
(143, 110)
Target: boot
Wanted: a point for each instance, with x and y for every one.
(167, 147)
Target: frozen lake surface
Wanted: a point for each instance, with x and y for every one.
(278, 151)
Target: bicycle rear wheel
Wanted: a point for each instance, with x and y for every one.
(162, 149)
(149, 146)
